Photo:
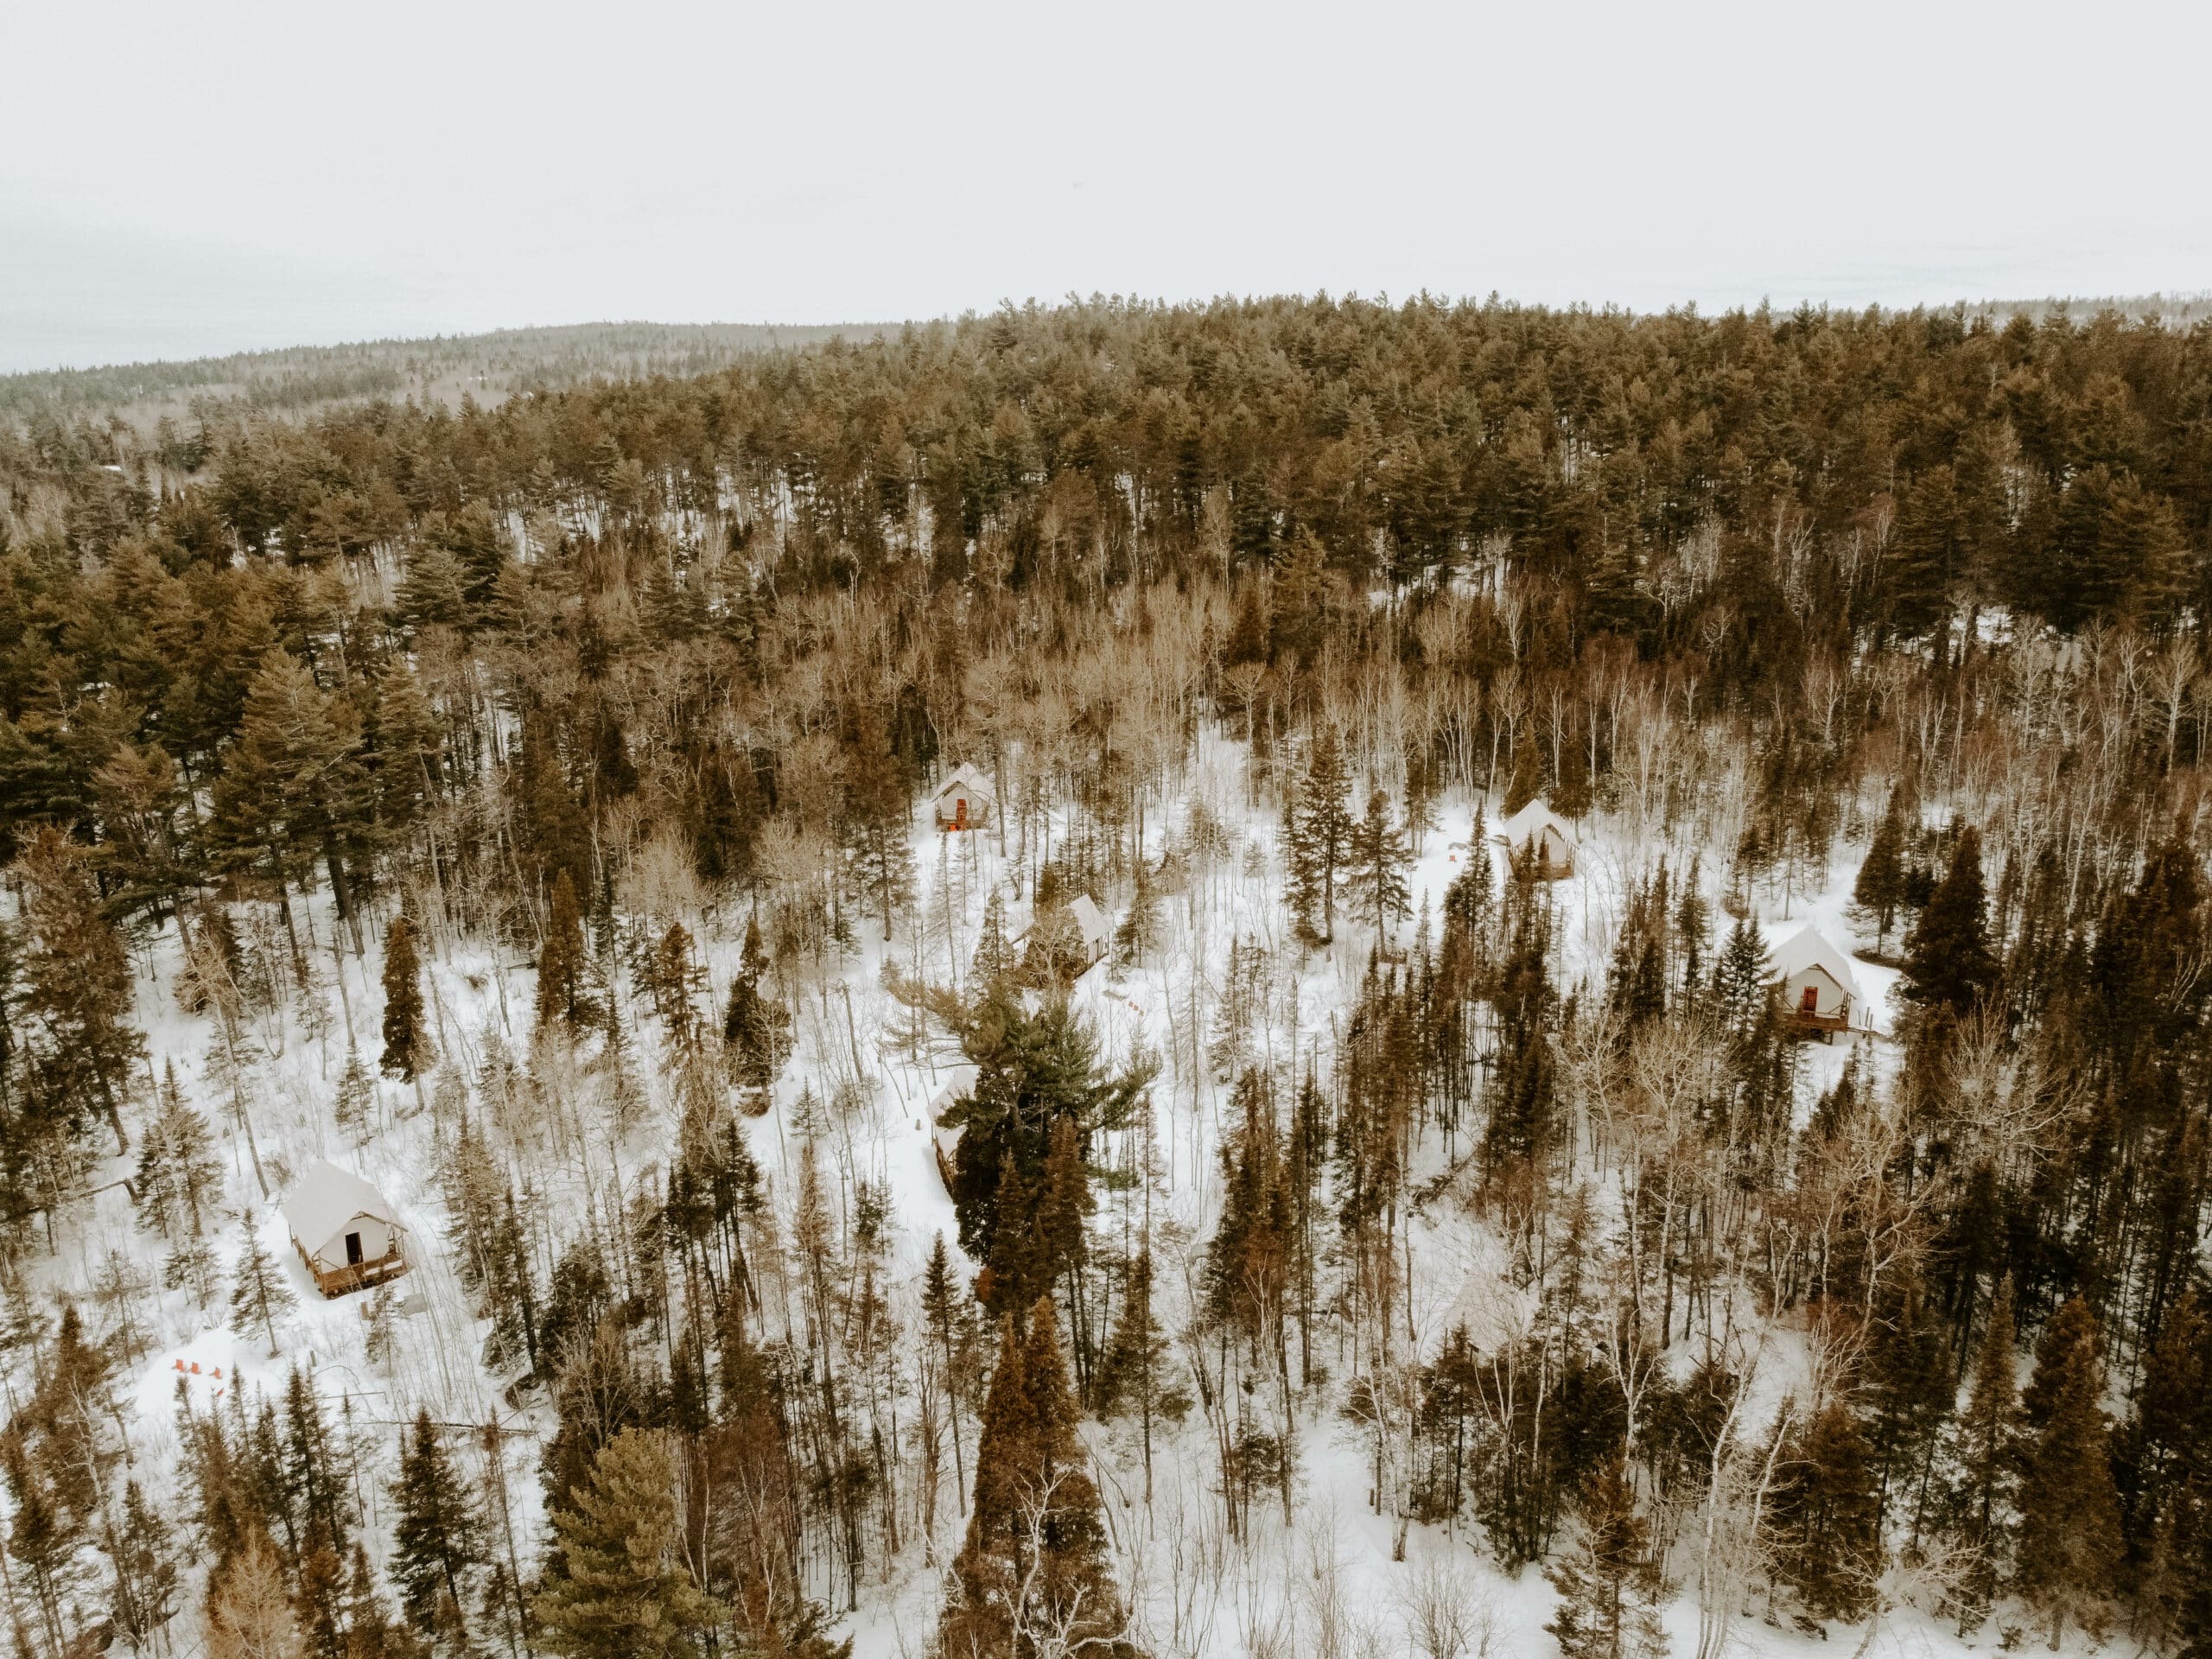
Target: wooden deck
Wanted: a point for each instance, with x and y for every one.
(1538, 867)
(342, 1281)
(1825, 1025)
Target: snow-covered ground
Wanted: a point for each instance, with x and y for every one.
(1332, 1568)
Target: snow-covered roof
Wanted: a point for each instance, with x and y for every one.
(1098, 932)
(1806, 948)
(324, 1202)
(964, 776)
(1531, 820)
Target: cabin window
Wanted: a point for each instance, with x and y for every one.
(353, 1250)
(1810, 1002)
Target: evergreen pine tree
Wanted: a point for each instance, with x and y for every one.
(1982, 1443)
(1879, 889)
(1527, 779)
(877, 819)
(2163, 1462)
(42, 1536)
(1948, 963)
(1132, 1372)
(1826, 1507)
(1138, 936)
(180, 1178)
(259, 1295)
(1318, 843)
(618, 1586)
(1739, 975)
(406, 1043)
(437, 1539)
(1609, 1586)
(1034, 1559)
(563, 963)
(2070, 1547)
(756, 1029)
(368, 1625)
(357, 1097)
(1013, 1276)
(1378, 864)
(291, 789)
(672, 980)
(995, 959)
(941, 1314)
(1064, 1206)
(77, 989)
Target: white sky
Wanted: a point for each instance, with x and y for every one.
(184, 179)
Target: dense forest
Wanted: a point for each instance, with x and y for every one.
(823, 1239)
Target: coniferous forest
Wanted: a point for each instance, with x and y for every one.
(918, 941)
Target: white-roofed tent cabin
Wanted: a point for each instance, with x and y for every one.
(1818, 987)
(1097, 933)
(344, 1230)
(1066, 941)
(1539, 843)
(964, 800)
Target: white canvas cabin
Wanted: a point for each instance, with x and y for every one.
(964, 800)
(344, 1230)
(1097, 933)
(1539, 843)
(1818, 988)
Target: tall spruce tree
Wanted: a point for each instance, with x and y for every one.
(941, 1314)
(1609, 1589)
(1879, 888)
(1982, 1449)
(1949, 966)
(355, 1103)
(563, 967)
(292, 789)
(1034, 1563)
(756, 1028)
(1378, 861)
(259, 1296)
(2070, 1546)
(1319, 841)
(1739, 975)
(406, 1038)
(77, 993)
(438, 1538)
(1827, 1508)
(618, 1585)
(1132, 1370)
(878, 815)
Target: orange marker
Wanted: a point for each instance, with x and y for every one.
(195, 1368)
(179, 1365)
(219, 1372)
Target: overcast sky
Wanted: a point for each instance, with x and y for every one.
(182, 179)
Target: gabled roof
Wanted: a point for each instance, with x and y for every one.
(1806, 948)
(964, 776)
(325, 1199)
(1098, 932)
(1524, 825)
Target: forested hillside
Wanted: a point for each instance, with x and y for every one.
(304, 379)
(1178, 1186)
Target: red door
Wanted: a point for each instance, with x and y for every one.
(1810, 1002)
(960, 813)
